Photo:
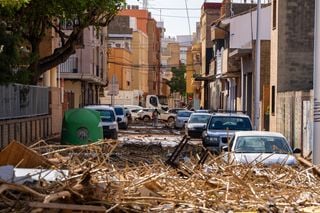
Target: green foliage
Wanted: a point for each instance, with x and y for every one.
(13, 3)
(10, 58)
(178, 81)
(25, 23)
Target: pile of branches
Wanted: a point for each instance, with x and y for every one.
(95, 183)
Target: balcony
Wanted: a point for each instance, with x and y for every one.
(70, 66)
(217, 33)
(230, 65)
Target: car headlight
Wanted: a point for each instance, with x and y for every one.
(190, 128)
(114, 126)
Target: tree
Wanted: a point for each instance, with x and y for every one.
(11, 3)
(178, 81)
(28, 21)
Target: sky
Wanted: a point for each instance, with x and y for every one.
(175, 19)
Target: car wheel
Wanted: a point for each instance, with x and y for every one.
(171, 119)
(146, 118)
(115, 136)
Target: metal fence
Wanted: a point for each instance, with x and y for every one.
(18, 101)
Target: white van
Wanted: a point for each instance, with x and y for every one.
(109, 120)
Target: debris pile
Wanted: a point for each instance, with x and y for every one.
(93, 181)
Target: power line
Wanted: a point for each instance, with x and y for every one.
(172, 8)
(169, 16)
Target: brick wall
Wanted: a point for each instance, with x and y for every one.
(295, 47)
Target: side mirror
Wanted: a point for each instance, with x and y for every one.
(225, 148)
(296, 151)
(118, 119)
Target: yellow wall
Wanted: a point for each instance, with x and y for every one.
(189, 72)
(140, 61)
(120, 65)
(75, 87)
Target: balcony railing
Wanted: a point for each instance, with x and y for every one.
(70, 66)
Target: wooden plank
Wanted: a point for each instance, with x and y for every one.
(65, 206)
(19, 155)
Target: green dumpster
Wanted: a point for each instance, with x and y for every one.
(81, 126)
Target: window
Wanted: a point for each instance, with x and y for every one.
(274, 14)
(273, 99)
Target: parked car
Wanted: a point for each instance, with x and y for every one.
(175, 110)
(197, 124)
(146, 114)
(182, 118)
(108, 120)
(133, 111)
(202, 111)
(221, 127)
(132, 106)
(123, 117)
(252, 147)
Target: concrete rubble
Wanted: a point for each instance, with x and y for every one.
(99, 177)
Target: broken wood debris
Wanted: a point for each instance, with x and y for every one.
(96, 182)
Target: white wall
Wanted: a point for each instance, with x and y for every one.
(240, 28)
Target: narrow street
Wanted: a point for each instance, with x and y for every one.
(132, 174)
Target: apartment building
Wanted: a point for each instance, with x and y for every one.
(84, 74)
(209, 13)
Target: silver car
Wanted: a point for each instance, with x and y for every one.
(182, 118)
(252, 147)
(197, 124)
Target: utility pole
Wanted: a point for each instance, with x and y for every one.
(316, 87)
(257, 72)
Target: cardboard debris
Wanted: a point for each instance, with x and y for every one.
(103, 178)
(19, 155)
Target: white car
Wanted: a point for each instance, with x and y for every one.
(146, 115)
(108, 120)
(123, 118)
(252, 147)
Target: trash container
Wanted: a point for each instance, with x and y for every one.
(81, 126)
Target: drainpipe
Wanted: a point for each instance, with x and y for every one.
(257, 77)
(242, 84)
(316, 87)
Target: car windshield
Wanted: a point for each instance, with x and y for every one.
(184, 114)
(196, 118)
(119, 111)
(106, 115)
(229, 122)
(136, 110)
(261, 144)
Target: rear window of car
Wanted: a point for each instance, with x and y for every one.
(119, 111)
(184, 114)
(230, 122)
(195, 118)
(106, 115)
